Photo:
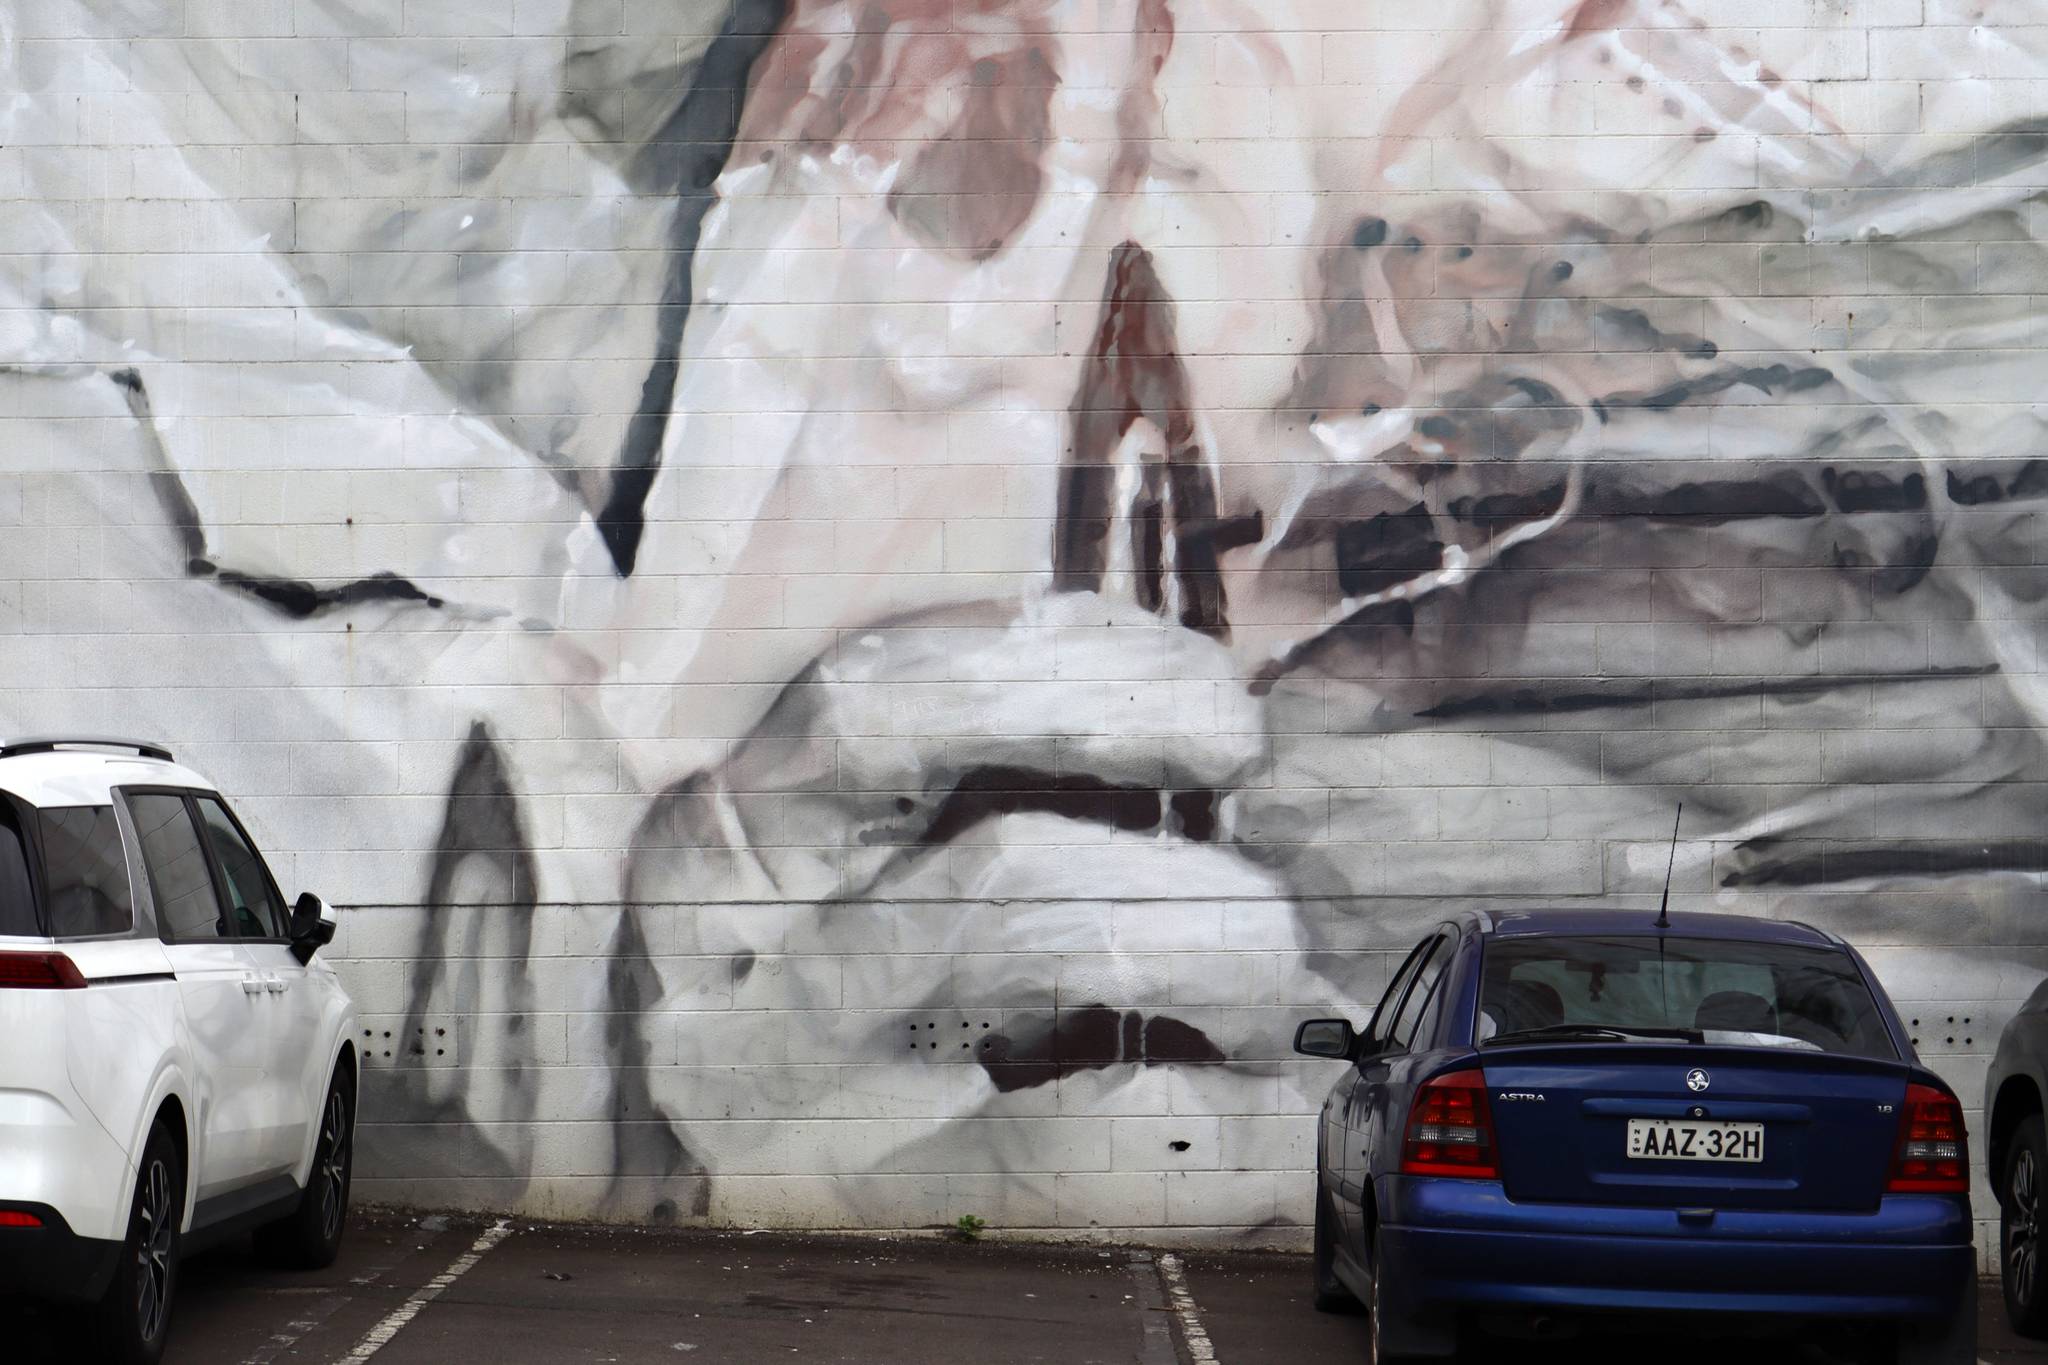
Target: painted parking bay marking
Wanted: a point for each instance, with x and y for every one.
(1183, 1302)
(378, 1337)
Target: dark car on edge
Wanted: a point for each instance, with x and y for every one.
(2017, 1158)
(1561, 1120)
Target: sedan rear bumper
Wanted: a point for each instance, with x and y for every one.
(1460, 1245)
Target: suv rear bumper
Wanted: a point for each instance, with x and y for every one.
(53, 1262)
(1458, 1244)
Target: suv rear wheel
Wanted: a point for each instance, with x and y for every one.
(2021, 1188)
(309, 1238)
(130, 1324)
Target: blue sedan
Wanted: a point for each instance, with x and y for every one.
(1561, 1121)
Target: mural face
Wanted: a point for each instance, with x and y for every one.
(868, 601)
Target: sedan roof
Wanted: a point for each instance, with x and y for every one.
(1689, 924)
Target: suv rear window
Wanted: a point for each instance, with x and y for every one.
(1727, 991)
(85, 872)
(17, 893)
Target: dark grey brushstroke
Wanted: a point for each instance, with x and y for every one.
(480, 822)
(1907, 858)
(644, 1136)
(1532, 701)
(1634, 325)
(1764, 378)
(696, 144)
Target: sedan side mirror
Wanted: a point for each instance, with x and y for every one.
(1331, 1038)
(312, 926)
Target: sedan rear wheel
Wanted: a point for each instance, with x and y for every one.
(2020, 1221)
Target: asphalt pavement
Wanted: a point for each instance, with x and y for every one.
(412, 1291)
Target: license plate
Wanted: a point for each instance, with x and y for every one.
(1694, 1140)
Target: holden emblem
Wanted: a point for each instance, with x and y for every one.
(1697, 1080)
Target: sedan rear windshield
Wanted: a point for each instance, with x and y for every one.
(1658, 988)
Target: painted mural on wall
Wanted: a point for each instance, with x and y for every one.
(1049, 533)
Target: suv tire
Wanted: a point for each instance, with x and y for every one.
(2022, 1193)
(309, 1237)
(130, 1324)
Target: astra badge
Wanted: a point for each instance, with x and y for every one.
(1697, 1080)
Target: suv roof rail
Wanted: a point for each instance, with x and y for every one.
(50, 744)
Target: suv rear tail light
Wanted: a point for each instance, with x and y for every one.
(14, 1218)
(1934, 1151)
(1450, 1129)
(39, 972)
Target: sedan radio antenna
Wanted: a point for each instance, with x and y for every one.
(1664, 909)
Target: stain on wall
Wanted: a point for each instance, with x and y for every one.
(865, 601)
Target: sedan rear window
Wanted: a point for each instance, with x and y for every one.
(1699, 989)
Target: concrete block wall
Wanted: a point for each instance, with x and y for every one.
(865, 602)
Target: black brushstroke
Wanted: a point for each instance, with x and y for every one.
(171, 494)
(301, 600)
(2028, 484)
(1712, 502)
(1384, 550)
(1867, 490)
(1536, 701)
(697, 142)
(1495, 508)
(1196, 813)
(1904, 859)
(1038, 1049)
(989, 792)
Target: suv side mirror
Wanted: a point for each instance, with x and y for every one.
(312, 926)
(1331, 1038)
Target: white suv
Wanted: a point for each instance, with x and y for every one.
(175, 1067)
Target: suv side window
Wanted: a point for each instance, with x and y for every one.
(1383, 1017)
(186, 908)
(85, 873)
(17, 891)
(253, 902)
(1421, 995)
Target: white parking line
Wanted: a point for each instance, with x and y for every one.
(1199, 1349)
(378, 1337)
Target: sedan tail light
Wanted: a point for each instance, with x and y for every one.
(39, 972)
(1934, 1151)
(1450, 1129)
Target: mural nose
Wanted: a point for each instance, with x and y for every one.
(1135, 467)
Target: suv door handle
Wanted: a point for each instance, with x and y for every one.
(276, 985)
(251, 985)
